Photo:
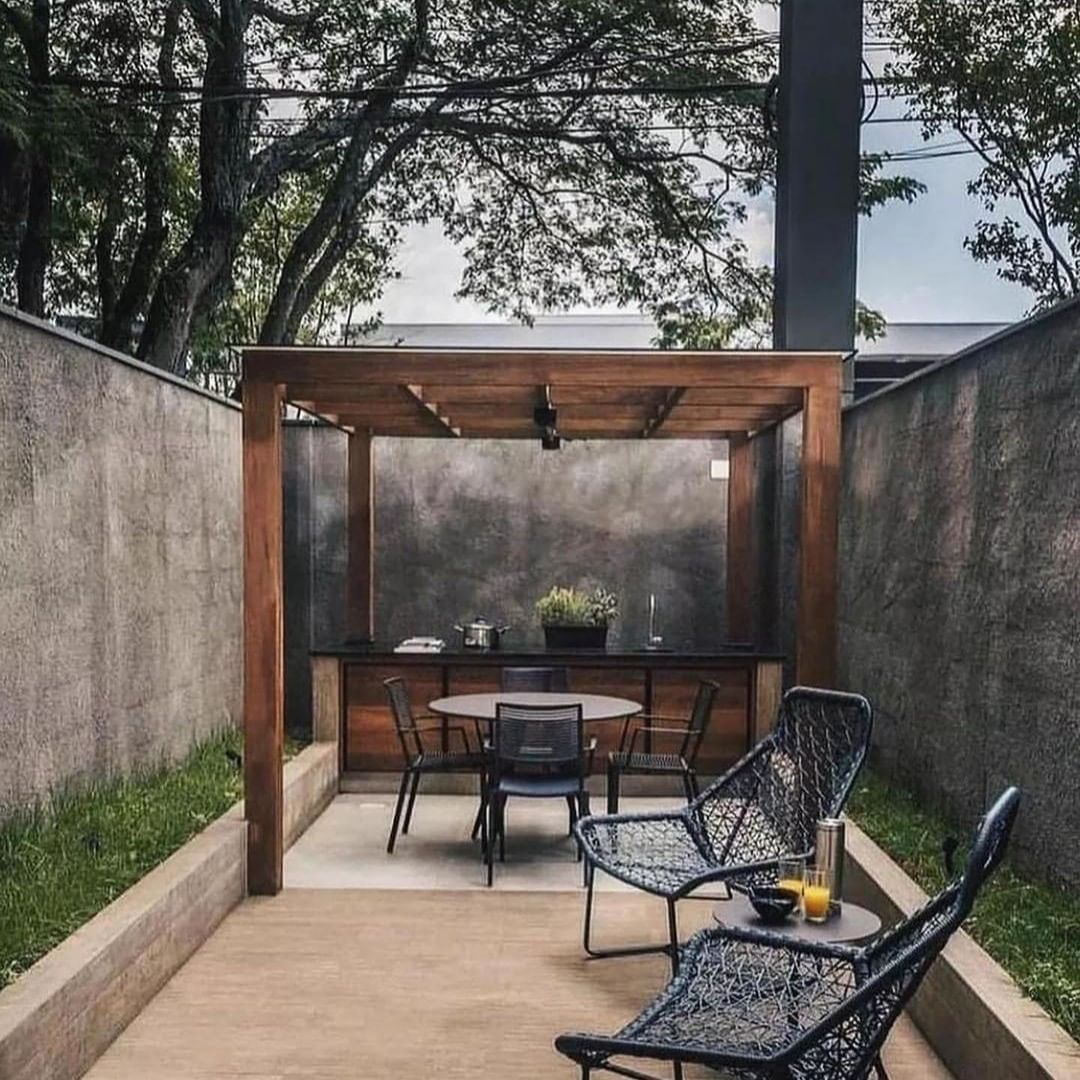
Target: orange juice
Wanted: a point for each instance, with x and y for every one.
(791, 885)
(816, 902)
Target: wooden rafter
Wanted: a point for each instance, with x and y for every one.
(417, 394)
(674, 396)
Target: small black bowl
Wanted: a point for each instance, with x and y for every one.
(772, 904)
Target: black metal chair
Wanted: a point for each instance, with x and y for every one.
(539, 752)
(537, 680)
(419, 760)
(762, 1005)
(629, 759)
(763, 808)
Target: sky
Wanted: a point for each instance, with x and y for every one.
(912, 267)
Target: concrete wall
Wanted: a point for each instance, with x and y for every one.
(315, 469)
(960, 584)
(120, 575)
(484, 528)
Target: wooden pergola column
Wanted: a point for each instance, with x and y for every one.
(815, 656)
(360, 584)
(264, 687)
(740, 542)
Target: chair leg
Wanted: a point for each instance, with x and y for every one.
(688, 787)
(626, 950)
(489, 836)
(694, 786)
(478, 823)
(612, 788)
(879, 1068)
(502, 827)
(412, 800)
(573, 814)
(673, 933)
(397, 812)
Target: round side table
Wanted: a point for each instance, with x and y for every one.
(854, 923)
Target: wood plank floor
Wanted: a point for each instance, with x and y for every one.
(405, 985)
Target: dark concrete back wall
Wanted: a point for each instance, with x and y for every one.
(120, 563)
(484, 528)
(960, 583)
(315, 469)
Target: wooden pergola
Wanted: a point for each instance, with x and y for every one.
(492, 394)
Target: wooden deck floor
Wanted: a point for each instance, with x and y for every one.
(404, 985)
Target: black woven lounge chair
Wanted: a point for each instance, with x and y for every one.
(419, 759)
(763, 808)
(763, 1006)
(631, 758)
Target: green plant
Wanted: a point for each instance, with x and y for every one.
(62, 863)
(563, 606)
(1030, 927)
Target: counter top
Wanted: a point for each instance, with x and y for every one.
(382, 653)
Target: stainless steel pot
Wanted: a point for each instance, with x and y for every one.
(481, 634)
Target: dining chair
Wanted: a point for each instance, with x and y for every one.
(644, 761)
(538, 752)
(538, 680)
(420, 760)
(765, 807)
(763, 1005)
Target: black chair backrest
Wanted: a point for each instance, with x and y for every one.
(544, 738)
(404, 722)
(536, 680)
(769, 803)
(700, 715)
(846, 1040)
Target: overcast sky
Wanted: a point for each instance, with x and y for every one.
(912, 263)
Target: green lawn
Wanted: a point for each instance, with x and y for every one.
(62, 864)
(1032, 929)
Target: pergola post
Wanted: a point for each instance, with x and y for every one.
(360, 586)
(740, 547)
(815, 655)
(264, 692)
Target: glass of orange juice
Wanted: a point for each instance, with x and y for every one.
(789, 877)
(817, 891)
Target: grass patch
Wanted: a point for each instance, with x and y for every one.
(62, 864)
(1030, 928)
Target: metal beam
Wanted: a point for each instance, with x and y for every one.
(819, 107)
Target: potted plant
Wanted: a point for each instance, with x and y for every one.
(576, 619)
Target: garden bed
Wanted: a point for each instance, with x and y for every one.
(62, 864)
(1031, 928)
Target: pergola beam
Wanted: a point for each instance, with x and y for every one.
(373, 367)
(663, 411)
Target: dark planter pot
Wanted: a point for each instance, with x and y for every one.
(575, 637)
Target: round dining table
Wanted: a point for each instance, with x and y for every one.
(483, 706)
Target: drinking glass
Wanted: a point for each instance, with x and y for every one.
(817, 891)
(790, 874)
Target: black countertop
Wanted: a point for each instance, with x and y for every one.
(383, 653)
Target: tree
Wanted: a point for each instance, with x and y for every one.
(1005, 75)
(581, 151)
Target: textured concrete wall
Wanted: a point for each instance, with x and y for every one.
(315, 468)
(960, 581)
(470, 528)
(120, 575)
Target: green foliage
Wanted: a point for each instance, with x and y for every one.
(876, 189)
(576, 607)
(1005, 75)
(1031, 928)
(62, 864)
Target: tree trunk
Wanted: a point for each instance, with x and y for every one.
(35, 250)
(199, 274)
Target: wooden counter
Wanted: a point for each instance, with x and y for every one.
(349, 697)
